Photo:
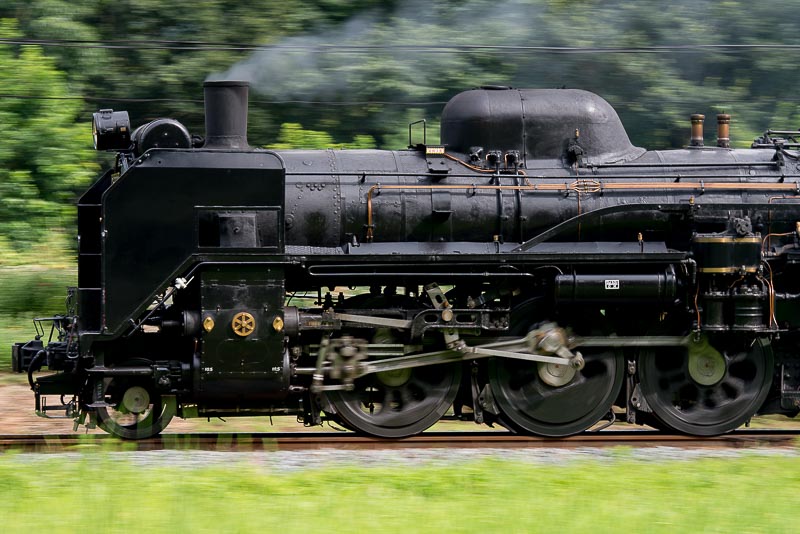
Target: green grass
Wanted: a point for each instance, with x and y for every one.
(102, 493)
(27, 292)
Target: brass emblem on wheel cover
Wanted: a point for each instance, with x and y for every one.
(243, 324)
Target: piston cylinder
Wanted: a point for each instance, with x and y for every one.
(716, 253)
(714, 310)
(749, 309)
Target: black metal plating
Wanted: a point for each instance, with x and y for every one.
(186, 255)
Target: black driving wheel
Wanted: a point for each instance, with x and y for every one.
(132, 411)
(398, 404)
(706, 390)
(556, 401)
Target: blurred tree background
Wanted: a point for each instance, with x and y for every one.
(355, 73)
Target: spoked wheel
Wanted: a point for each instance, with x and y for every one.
(134, 412)
(556, 400)
(703, 391)
(398, 404)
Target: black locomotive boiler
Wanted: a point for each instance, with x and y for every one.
(534, 270)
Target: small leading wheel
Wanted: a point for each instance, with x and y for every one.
(556, 400)
(398, 404)
(704, 391)
(134, 412)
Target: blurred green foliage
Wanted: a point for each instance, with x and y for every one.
(38, 290)
(43, 160)
(293, 135)
(341, 67)
(355, 73)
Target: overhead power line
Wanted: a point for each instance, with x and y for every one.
(365, 48)
(252, 101)
(331, 103)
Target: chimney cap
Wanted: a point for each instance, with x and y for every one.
(226, 83)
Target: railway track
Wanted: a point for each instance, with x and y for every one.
(295, 441)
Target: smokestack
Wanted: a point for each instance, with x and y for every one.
(697, 129)
(724, 130)
(226, 114)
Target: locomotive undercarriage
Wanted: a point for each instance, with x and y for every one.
(564, 381)
(539, 354)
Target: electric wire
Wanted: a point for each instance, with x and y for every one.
(202, 46)
(177, 45)
(344, 103)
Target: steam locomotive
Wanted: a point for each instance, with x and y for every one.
(534, 270)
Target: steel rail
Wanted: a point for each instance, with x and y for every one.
(296, 441)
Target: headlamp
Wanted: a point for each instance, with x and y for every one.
(111, 130)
